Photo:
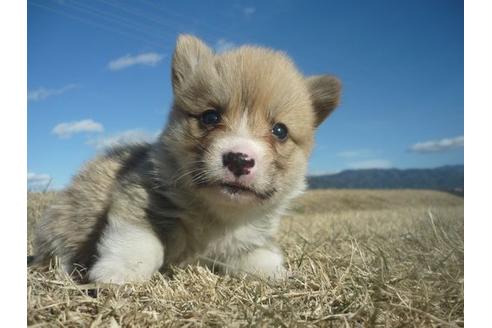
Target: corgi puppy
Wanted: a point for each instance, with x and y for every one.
(212, 188)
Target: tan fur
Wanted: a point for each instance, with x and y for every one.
(167, 189)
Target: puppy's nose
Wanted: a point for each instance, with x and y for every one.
(238, 163)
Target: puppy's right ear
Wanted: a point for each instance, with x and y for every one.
(189, 55)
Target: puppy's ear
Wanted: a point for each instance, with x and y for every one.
(190, 53)
(325, 95)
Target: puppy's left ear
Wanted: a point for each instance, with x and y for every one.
(325, 95)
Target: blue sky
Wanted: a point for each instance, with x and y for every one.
(98, 73)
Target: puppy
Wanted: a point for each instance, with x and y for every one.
(213, 187)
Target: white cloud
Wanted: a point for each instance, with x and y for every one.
(43, 93)
(223, 45)
(371, 164)
(435, 146)
(67, 129)
(37, 181)
(125, 137)
(248, 11)
(148, 59)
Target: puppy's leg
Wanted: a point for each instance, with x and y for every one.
(127, 253)
(266, 262)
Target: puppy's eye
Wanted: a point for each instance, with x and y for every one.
(280, 131)
(210, 117)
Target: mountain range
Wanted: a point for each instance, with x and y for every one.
(447, 178)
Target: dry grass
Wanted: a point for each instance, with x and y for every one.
(358, 258)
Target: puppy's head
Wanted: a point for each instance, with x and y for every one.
(243, 122)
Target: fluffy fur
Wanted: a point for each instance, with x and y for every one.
(140, 208)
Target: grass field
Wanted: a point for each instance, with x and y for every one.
(358, 259)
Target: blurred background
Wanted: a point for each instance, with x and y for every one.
(99, 74)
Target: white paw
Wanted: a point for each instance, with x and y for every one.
(127, 253)
(264, 262)
(121, 270)
(104, 272)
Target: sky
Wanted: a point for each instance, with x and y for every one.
(99, 74)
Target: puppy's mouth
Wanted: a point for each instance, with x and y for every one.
(237, 190)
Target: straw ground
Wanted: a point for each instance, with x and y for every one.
(358, 259)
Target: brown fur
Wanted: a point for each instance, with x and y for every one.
(165, 187)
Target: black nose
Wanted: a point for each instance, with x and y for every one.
(238, 163)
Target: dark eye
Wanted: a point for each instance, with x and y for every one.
(280, 131)
(210, 117)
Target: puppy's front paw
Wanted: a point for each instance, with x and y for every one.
(264, 262)
(102, 273)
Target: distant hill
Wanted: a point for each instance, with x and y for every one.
(448, 178)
